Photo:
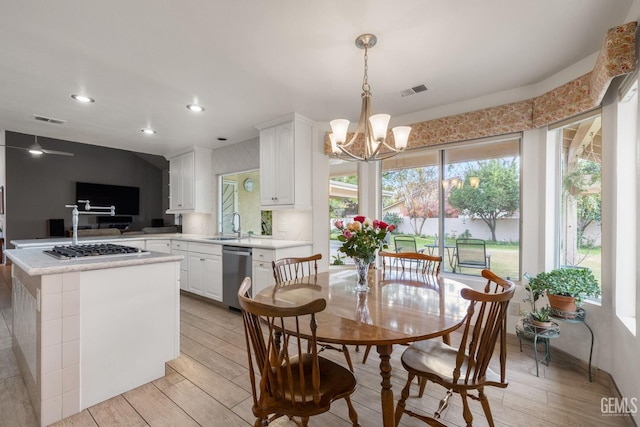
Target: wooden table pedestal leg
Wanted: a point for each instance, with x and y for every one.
(386, 394)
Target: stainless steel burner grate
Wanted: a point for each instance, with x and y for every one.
(102, 249)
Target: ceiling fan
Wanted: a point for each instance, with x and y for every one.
(37, 150)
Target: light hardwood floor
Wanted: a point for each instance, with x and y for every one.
(208, 385)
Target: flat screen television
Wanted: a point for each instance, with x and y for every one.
(125, 199)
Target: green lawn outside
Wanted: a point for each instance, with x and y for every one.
(504, 258)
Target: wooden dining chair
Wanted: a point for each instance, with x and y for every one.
(285, 378)
(409, 264)
(290, 271)
(466, 368)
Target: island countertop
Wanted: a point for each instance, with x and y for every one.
(249, 242)
(35, 262)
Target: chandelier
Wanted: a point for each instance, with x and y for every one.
(373, 128)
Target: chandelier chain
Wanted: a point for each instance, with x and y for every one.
(365, 80)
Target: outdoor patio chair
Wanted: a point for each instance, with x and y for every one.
(406, 244)
(472, 253)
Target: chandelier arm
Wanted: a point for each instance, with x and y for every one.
(390, 147)
(386, 156)
(361, 129)
(350, 156)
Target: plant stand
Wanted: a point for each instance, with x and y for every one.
(528, 332)
(578, 316)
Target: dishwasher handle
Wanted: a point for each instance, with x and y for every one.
(235, 250)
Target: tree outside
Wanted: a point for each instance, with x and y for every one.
(417, 190)
(494, 195)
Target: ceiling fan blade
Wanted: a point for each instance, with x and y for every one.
(17, 148)
(60, 153)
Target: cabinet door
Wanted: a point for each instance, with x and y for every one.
(140, 244)
(184, 268)
(196, 273)
(213, 277)
(262, 276)
(267, 167)
(181, 189)
(163, 246)
(284, 165)
(188, 180)
(175, 184)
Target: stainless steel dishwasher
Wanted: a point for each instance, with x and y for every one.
(236, 265)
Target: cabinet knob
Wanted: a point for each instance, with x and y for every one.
(201, 259)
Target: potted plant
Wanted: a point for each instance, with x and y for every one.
(566, 288)
(540, 318)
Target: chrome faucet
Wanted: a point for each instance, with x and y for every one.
(104, 210)
(239, 229)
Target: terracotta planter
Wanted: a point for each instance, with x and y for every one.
(565, 305)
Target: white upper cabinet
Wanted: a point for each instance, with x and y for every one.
(190, 181)
(285, 162)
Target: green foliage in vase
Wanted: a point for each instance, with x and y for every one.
(363, 237)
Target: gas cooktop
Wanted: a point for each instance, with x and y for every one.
(101, 249)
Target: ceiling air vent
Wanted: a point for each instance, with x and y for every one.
(49, 120)
(413, 90)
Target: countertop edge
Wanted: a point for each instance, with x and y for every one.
(66, 266)
(254, 242)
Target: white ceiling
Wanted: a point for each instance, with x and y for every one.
(250, 61)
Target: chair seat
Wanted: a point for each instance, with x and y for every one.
(336, 383)
(437, 361)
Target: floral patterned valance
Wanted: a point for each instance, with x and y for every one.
(617, 57)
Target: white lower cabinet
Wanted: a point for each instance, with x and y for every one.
(159, 245)
(184, 268)
(261, 276)
(205, 270)
(262, 269)
(140, 244)
(179, 247)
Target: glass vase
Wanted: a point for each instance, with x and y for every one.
(362, 268)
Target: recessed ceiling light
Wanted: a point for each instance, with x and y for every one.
(83, 98)
(195, 107)
(148, 131)
(221, 138)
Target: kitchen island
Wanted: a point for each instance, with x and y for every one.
(85, 330)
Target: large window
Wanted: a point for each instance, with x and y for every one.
(627, 222)
(343, 203)
(580, 195)
(470, 191)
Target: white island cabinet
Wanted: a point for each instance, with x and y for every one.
(87, 330)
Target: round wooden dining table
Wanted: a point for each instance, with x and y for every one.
(398, 309)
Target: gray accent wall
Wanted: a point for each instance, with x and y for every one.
(37, 188)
